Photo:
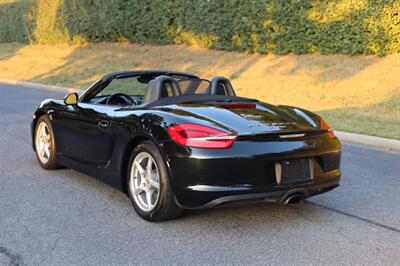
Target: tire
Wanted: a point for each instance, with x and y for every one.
(142, 180)
(48, 161)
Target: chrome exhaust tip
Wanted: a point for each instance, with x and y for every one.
(292, 199)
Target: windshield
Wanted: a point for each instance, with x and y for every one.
(129, 86)
(194, 86)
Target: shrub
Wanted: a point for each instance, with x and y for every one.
(296, 26)
(16, 20)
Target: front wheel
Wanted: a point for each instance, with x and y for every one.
(45, 146)
(148, 184)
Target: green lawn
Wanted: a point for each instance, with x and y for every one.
(354, 93)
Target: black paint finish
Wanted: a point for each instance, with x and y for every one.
(97, 139)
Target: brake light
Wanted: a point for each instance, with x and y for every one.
(239, 105)
(326, 126)
(198, 136)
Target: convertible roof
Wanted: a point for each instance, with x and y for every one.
(132, 73)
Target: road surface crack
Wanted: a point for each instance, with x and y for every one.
(387, 227)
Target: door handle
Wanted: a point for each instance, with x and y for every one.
(104, 124)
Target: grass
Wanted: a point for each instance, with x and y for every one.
(354, 93)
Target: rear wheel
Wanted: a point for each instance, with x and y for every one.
(45, 146)
(148, 184)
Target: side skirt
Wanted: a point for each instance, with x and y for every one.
(105, 175)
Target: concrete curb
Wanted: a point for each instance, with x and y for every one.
(379, 142)
(391, 144)
(36, 86)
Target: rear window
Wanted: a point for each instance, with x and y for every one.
(194, 86)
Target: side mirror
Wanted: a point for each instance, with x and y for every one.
(71, 99)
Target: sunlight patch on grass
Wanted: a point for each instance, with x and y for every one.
(322, 82)
(33, 62)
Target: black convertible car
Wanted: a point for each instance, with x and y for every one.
(174, 141)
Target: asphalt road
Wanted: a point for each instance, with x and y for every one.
(67, 218)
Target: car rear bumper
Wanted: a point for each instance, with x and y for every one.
(205, 178)
(214, 197)
(281, 196)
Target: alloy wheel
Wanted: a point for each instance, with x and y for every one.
(144, 181)
(43, 142)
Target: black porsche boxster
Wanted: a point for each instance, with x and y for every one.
(174, 141)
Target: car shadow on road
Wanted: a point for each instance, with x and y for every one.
(109, 202)
(251, 212)
(240, 213)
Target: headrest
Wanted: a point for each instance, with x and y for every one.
(160, 87)
(221, 86)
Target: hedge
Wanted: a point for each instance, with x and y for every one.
(16, 20)
(263, 26)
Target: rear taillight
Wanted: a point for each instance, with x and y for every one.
(198, 136)
(326, 126)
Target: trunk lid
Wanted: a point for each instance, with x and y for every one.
(262, 118)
